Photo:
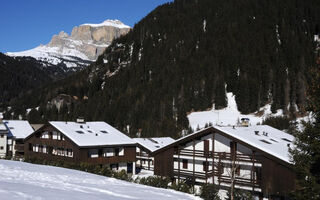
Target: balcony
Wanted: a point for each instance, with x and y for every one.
(19, 147)
(222, 156)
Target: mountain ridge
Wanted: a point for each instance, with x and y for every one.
(77, 50)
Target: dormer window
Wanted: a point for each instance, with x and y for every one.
(265, 141)
(285, 139)
(80, 132)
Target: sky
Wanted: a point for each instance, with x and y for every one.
(25, 24)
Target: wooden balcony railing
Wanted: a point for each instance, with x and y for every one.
(217, 155)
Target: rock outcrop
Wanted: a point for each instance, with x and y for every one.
(82, 47)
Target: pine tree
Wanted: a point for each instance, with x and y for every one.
(306, 155)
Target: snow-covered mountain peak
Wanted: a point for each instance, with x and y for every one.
(109, 22)
(85, 43)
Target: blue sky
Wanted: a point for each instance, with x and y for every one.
(25, 24)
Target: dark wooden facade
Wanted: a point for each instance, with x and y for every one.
(276, 177)
(79, 153)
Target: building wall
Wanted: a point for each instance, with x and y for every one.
(3, 145)
(163, 165)
(144, 160)
(62, 145)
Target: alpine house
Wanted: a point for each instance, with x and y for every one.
(254, 158)
(86, 142)
(18, 130)
(146, 146)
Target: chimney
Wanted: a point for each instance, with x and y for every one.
(1, 118)
(81, 120)
(256, 132)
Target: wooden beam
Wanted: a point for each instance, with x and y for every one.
(178, 164)
(194, 162)
(213, 138)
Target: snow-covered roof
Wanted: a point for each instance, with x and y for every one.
(269, 140)
(3, 127)
(155, 143)
(19, 129)
(115, 23)
(92, 133)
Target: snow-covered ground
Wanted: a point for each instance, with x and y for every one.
(21, 181)
(231, 116)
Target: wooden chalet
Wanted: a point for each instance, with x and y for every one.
(3, 138)
(18, 130)
(253, 158)
(145, 146)
(87, 142)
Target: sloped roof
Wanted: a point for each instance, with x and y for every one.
(3, 127)
(268, 139)
(155, 143)
(92, 133)
(274, 143)
(19, 129)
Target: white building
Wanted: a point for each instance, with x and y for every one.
(146, 146)
(3, 138)
(254, 158)
(18, 130)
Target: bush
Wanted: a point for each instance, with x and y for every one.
(241, 195)
(182, 187)
(209, 192)
(155, 181)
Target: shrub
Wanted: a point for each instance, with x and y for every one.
(209, 192)
(182, 187)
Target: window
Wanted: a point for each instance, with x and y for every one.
(285, 139)
(205, 165)
(108, 152)
(45, 135)
(44, 149)
(1, 148)
(80, 132)
(69, 153)
(2, 136)
(104, 131)
(93, 153)
(121, 152)
(185, 164)
(265, 141)
(54, 135)
(30, 147)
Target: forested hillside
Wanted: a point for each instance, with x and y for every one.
(20, 75)
(184, 56)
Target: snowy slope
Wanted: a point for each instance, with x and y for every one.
(19, 181)
(231, 116)
(54, 55)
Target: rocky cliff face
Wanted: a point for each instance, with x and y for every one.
(79, 49)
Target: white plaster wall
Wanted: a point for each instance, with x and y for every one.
(221, 144)
(243, 150)
(3, 143)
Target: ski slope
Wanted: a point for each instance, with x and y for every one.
(230, 115)
(22, 181)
